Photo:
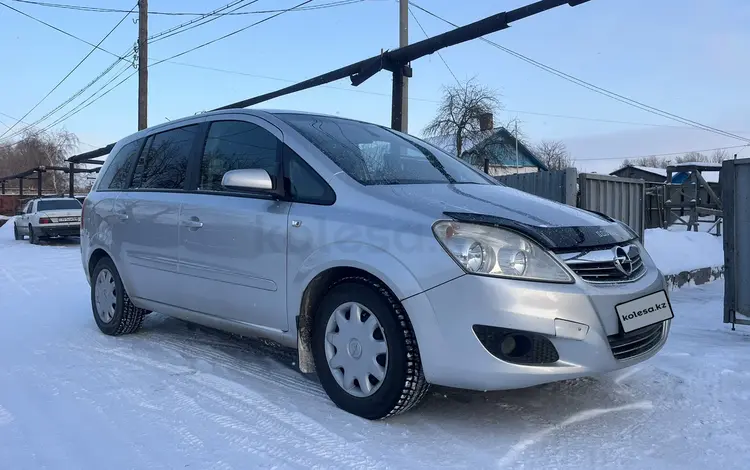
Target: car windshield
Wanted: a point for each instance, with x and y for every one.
(372, 154)
(58, 204)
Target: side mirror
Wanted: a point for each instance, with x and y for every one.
(248, 180)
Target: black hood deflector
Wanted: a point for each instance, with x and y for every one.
(558, 239)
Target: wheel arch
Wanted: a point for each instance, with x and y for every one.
(316, 288)
(94, 258)
(96, 255)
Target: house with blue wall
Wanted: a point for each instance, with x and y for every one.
(499, 147)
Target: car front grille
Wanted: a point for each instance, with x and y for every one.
(601, 266)
(635, 343)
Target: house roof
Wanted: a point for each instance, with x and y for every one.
(500, 136)
(655, 171)
(709, 176)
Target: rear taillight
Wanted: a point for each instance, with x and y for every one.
(45, 220)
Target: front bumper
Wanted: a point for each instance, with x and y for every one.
(452, 355)
(59, 230)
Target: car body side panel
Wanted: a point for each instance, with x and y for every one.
(234, 265)
(146, 240)
(401, 253)
(97, 230)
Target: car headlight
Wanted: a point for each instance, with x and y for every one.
(492, 251)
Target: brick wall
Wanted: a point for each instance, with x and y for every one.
(8, 204)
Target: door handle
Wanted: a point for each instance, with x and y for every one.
(193, 223)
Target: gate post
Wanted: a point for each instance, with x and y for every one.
(71, 179)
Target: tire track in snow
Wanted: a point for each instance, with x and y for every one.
(510, 457)
(270, 423)
(247, 368)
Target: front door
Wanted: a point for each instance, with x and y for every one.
(232, 246)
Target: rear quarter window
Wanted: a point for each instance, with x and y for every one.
(164, 160)
(119, 172)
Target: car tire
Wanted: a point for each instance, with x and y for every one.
(114, 313)
(33, 238)
(16, 235)
(402, 385)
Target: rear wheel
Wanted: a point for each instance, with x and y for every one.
(114, 313)
(365, 351)
(16, 235)
(33, 237)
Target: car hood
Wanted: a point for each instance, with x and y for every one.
(552, 224)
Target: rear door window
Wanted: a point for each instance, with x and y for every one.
(164, 160)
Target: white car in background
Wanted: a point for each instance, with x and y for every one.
(48, 218)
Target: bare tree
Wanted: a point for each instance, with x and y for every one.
(459, 114)
(719, 155)
(36, 149)
(554, 154)
(651, 162)
(693, 157)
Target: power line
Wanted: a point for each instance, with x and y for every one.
(81, 106)
(426, 100)
(16, 119)
(69, 100)
(661, 154)
(108, 69)
(231, 34)
(212, 16)
(438, 52)
(69, 73)
(161, 35)
(177, 13)
(595, 88)
(91, 99)
(96, 46)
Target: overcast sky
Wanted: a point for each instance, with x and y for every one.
(688, 57)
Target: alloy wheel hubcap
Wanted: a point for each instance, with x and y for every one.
(105, 295)
(356, 349)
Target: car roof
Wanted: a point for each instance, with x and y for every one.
(252, 112)
(53, 198)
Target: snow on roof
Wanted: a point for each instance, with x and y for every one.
(713, 165)
(709, 176)
(648, 169)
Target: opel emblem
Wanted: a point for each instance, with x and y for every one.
(622, 261)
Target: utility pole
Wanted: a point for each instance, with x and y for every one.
(142, 64)
(403, 41)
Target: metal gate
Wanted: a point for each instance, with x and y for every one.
(620, 198)
(735, 196)
(558, 185)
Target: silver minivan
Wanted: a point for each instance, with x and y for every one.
(388, 264)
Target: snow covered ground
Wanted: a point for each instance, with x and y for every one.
(675, 251)
(174, 396)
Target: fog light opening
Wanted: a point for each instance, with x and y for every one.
(515, 345)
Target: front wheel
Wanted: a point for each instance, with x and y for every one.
(365, 351)
(114, 313)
